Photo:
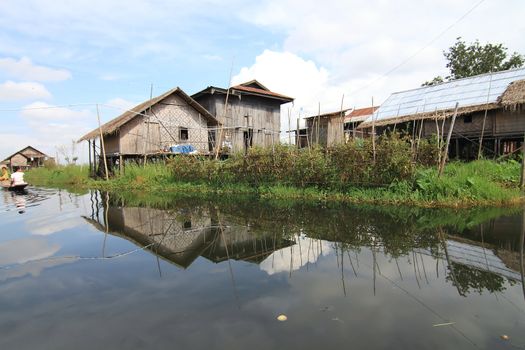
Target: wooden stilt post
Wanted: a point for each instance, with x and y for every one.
(297, 137)
(445, 150)
(102, 145)
(289, 128)
(94, 158)
(90, 165)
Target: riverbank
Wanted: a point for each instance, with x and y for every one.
(463, 185)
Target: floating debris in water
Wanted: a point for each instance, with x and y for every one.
(326, 308)
(444, 324)
(282, 318)
(504, 337)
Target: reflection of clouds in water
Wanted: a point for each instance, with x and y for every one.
(26, 250)
(306, 250)
(22, 250)
(47, 225)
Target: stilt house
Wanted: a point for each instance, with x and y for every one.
(326, 129)
(252, 116)
(354, 118)
(26, 158)
(154, 127)
(490, 110)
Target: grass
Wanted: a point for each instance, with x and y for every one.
(478, 183)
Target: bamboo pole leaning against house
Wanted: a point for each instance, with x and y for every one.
(102, 145)
(146, 143)
(484, 119)
(445, 150)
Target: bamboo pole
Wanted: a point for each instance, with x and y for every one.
(484, 119)
(147, 129)
(342, 126)
(445, 150)
(89, 152)
(373, 131)
(522, 242)
(318, 122)
(522, 177)
(221, 132)
(102, 145)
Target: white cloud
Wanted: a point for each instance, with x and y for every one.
(24, 69)
(22, 250)
(11, 91)
(38, 112)
(357, 41)
(54, 126)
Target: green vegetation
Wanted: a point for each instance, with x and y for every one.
(70, 176)
(345, 173)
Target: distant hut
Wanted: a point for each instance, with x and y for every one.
(153, 127)
(253, 115)
(26, 158)
(499, 96)
(326, 129)
(354, 118)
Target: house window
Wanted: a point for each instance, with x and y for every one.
(183, 134)
(467, 119)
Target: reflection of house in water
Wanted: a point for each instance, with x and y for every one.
(239, 243)
(181, 236)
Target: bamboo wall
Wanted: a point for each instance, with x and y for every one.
(160, 129)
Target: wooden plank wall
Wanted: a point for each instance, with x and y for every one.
(499, 123)
(250, 112)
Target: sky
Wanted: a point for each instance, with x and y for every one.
(60, 59)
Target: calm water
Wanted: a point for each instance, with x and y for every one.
(97, 271)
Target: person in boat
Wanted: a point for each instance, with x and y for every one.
(17, 178)
(4, 176)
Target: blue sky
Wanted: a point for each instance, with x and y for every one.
(76, 54)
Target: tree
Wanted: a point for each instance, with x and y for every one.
(68, 152)
(466, 60)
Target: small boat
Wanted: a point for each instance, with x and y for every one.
(19, 187)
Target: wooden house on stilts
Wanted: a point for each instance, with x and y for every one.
(490, 111)
(250, 114)
(152, 129)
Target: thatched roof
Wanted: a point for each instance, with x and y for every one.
(139, 110)
(485, 91)
(515, 94)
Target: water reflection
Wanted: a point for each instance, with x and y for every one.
(20, 200)
(474, 253)
(215, 273)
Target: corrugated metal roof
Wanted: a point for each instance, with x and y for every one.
(360, 114)
(468, 92)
